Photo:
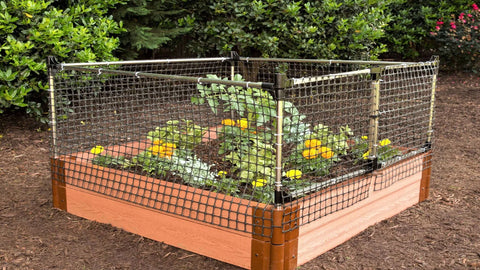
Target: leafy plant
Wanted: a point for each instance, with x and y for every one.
(256, 105)
(184, 133)
(225, 184)
(319, 150)
(294, 128)
(108, 160)
(301, 29)
(33, 30)
(251, 156)
(385, 151)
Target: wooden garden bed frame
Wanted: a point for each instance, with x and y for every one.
(273, 243)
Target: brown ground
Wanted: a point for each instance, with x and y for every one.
(441, 233)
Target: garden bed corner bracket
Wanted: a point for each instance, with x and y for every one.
(59, 194)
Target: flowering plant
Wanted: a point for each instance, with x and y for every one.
(319, 150)
(459, 38)
(385, 150)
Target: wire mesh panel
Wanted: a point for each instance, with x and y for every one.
(226, 141)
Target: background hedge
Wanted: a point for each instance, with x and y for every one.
(97, 30)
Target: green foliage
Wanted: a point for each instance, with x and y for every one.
(32, 30)
(252, 156)
(255, 104)
(294, 129)
(151, 25)
(184, 133)
(408, 33)
(108, 160)
(348, 29)
(458, 40)
(182, 163)
(385, 151)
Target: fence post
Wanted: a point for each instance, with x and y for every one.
(374, 115)
(427, 159)
(52, 65)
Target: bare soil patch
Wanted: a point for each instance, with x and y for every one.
(441, 233)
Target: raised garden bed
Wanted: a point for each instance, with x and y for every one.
(255, 177)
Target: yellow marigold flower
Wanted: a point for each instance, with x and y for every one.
(385, 142)
(156, 149)
(259, 182)
(326, 152)
(310, 153)
(158, 142)
(242, 123)
(222, 173)
(313, 143)
(294, 174)
(97, 149)
(169, 147)
(228, 122)
(365, 156)
(364, 137)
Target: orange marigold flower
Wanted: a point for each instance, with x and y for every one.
(310, 153)
(165, 154)
(228, 122)
(326, 152)
(313, 143)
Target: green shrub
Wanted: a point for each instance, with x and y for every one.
(348, 29)
(408, 34)
(31, 30)
(458, 39)
(150, 25)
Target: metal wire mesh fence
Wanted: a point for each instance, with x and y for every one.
(225, 140)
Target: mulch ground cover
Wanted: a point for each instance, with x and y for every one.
(440, 233)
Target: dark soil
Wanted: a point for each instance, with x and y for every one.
(440, 233)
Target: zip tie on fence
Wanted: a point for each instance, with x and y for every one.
(62, 66)
(136, 74)
(246, 86)
(330, 62)
(247, 59)
(168, 61)
(99, 71)
(198, 81)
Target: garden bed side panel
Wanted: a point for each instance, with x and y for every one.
(86, 184)
(334, 229)
(215, 242)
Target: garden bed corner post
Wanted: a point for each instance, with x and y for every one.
(427, 159)
(275, 234)
(57, 166)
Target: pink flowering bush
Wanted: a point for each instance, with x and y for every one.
(459, 39)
